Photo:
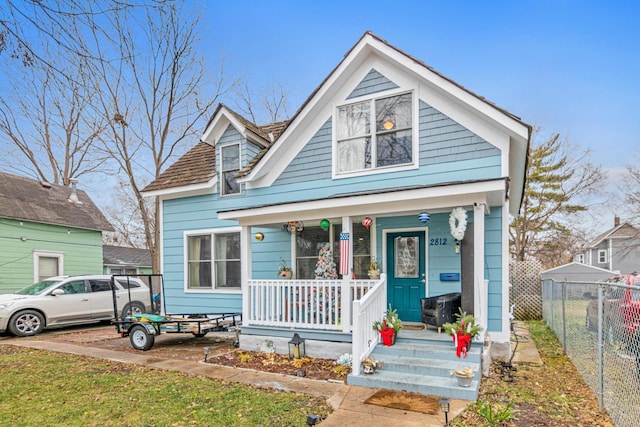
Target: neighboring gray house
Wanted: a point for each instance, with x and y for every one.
(126, 260)
(576, 272)
(617, 249)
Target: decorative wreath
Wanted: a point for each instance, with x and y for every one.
(458, 223)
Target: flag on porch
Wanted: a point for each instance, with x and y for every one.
(344, 253)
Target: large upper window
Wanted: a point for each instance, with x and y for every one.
(375, 133)
(230, 166)
(213, 255)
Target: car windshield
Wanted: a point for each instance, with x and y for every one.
(36, 288)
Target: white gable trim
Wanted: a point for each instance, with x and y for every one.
(219, 125)
(185, 190)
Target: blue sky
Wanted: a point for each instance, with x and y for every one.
(565, 66)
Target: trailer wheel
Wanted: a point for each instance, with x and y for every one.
(140, 338)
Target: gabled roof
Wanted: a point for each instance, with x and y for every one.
(519, 131)
(30, 200)
(198, 165)
(622, 231)
(122, 255)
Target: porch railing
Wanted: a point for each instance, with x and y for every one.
(311, 304)
(368, 309)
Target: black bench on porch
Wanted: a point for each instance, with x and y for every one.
(441, 309)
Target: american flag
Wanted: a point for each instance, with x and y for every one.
(344, 253)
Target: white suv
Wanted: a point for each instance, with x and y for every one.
(70, 300)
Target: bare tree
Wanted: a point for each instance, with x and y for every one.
(559, 177)
(48, 122)
(156, 97)
(273, 102)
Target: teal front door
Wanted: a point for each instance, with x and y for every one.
(406, 273)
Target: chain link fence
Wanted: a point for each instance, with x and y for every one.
(598, 325)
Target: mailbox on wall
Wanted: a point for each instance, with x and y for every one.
(449, 277)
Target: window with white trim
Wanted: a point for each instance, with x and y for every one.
(213, 261)
(375, 133)
(47, 264)
(602, 255)
(580, 258)
(229, 166)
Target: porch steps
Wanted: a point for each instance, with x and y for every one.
(422, 366)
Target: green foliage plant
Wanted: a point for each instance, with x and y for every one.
(465, 323)
(497, 415)
(390, 320)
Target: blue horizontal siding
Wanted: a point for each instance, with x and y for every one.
(373, 82)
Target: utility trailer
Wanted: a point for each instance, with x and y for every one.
(142, 327)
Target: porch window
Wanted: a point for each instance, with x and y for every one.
(213, 255)
(312, 239)
(230, 167)
(375, 133)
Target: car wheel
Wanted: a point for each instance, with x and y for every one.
(140, 338)
(26, 323)
(588, 323)
(133, 308)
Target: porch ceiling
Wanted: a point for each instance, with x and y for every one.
(389, 202)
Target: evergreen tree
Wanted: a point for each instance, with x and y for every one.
(326, 267)
(558, 174)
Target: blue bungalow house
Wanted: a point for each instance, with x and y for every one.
(388, 161)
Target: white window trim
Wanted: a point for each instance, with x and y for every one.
(47, 254)
(602, 254)
(212, 232)
(415, 117)
(221, 180)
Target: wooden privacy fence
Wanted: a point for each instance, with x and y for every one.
(526, 290)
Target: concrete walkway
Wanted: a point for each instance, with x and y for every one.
(347, 401)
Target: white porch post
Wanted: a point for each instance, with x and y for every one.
(345, 294)
(480, 290)
(245, 270)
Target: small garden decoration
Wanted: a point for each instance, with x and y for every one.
(463, 331)
(389, 326)
(374, 269)
(284, 271)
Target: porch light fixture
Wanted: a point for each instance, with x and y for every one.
(445, 403)
(259, 236)
(296, 347)
(206, 352)
(424, 217)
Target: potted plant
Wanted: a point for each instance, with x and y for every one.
(463, 331)
(284, 271)
(374, 270)
(389, 326)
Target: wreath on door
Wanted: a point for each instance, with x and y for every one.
(458, 223)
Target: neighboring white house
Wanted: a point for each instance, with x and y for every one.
(382, 140)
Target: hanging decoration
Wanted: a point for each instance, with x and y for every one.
(424, 217)
(367, 221)
(324, 224)
(259, 236)
(344, 253)
(294, 226)
(458, 223)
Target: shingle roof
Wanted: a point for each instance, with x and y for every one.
(122, 255)
(622, 231)
(30, 200)
(196, 166)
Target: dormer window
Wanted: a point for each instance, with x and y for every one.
(230, 166)
(375, 133)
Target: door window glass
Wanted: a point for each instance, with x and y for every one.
(406, 257)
